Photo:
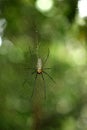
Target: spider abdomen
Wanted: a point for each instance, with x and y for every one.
(39, 66)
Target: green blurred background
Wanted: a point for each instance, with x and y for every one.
(29, 28)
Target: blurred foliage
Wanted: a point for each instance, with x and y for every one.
(25, 32)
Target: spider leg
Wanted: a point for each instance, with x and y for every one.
(33, 71)
(44, 86)
(30, 52)
(34, 86)
(46, 57)
(31, 57)
(26, 80)
(29, 68)
(47, 68)
(49, 76)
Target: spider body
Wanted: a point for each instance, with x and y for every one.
(39, 66)
(40, 70)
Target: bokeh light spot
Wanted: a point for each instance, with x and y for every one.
(82, 8)
(44, 5)
(0, 41)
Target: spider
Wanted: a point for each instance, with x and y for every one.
(40, 70)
